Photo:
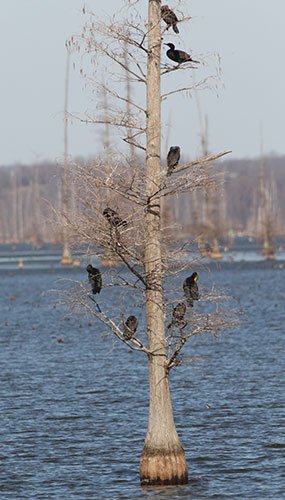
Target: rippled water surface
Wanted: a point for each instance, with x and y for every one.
(74, 414)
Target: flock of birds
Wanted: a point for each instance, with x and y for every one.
(170, 18)
(191, 292)
(179, 56)
(190, 287)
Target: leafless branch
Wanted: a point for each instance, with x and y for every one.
(200, 161)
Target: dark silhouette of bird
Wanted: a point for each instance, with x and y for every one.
(178, 56)
(169, 18)
(94, 278)
(173, 158)
(130, 327)
(113, 217)
(191, 289)
(178, 314)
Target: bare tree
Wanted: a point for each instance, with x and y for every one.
(266, 210)
(66, 258)
(130, 225)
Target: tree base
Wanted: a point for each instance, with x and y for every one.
(66, 259)
(162, 469)
(216, 255)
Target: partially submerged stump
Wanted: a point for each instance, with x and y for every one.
(160, 467)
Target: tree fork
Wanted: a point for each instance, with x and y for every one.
(163, 458)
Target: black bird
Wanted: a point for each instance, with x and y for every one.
(169, 17)
(178, 314)
(113, 217)
(191, 289)
(130, 327)
(178, 56)
(95, 278)
(173, 158)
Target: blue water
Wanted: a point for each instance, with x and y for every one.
(74, 414)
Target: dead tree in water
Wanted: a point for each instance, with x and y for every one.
(66, 258)
(131, 224)
(265, 215)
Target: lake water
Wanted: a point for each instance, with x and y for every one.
(74, 414)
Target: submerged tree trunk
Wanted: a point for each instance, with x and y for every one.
(163, 458)
(66, 259)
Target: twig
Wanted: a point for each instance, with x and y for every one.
(97, 305)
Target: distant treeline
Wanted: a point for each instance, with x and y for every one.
(30, 197)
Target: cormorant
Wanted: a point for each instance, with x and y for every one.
(169, 18)
(173, 158)
(95, 278)
(113, 217)
(191, 289)
(178, 314)
(178, 56)
(130, 327)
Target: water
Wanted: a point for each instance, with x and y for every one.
(74, 414)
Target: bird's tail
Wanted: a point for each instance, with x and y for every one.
(196, 62)
(175, 29)
(190, 302)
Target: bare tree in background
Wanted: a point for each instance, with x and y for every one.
(66, 259)
(134, 233)
(266, 210)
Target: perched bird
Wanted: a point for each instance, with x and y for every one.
(169, 18)
(191, 289)
(130, 327)
(95, 278)
(178, 56)
(173, 158)
(178, 314)
(113, 217)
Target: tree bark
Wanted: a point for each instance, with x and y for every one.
(163, 458)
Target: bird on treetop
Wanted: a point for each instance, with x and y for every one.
(130, 327)
(178, 56)
(169, 18)
(173, 158)
(94, 278)
(191, 289)
(113, 217)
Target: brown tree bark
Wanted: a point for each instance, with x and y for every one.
(163, 458)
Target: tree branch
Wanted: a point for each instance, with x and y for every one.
(200, 161)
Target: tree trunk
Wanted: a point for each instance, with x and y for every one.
(66, 259)
(163, 459)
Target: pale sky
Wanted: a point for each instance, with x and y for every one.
(249, 36)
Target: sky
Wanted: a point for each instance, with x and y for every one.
(249, 37)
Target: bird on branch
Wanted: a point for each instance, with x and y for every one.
(173, 158)
(94, 278)
(169, 18)
(130, 327)
(191, 290)
(178, 314)
(178, 56)
(113, 217)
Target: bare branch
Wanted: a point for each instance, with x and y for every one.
(170, 69)
(139, 146)
(114, 123)
(200, 161)
(124, 99)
